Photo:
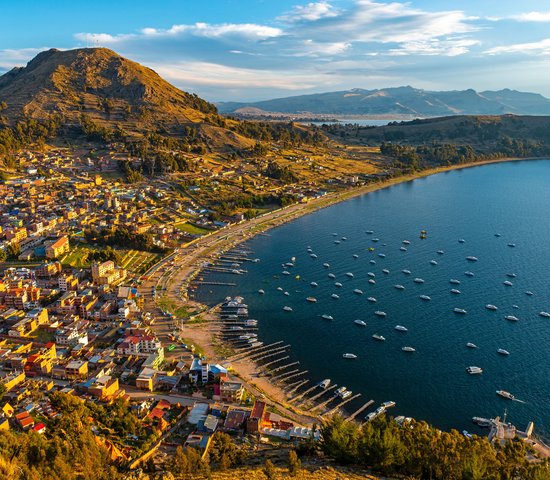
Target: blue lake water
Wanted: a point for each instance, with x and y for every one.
(512, 199)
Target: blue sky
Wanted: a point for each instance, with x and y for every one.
(258, 49)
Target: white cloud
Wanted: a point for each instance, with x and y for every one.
(310, 12)
(447, 48)
(10, 58)
(532, 17)
(541, 47)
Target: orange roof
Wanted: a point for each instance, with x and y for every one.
(163, 404)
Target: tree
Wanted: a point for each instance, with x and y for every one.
(269, 470)
(3, 255)
(13, 250)
(294, 463)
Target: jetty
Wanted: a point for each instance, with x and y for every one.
(341, 404)
(295, 386)
(319, 395)
(357, 412)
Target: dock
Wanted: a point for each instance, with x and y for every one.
(224, 284)
(297, 374)
(281, 375)
(340, 405)
(319, 395)
(295, 386)
(261, 355)
(284, 367)
(273, 362)
(357, 412)
(305, 392)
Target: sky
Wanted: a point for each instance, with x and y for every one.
(245, 50)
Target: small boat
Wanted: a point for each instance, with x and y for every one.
(467, 434)
(312, 255)
(280, 289)
(375, 240)
(358, 291)
(261, 291)
(335, 296)
(327, 317)
(403, 249)
(372, 262)
(286, 293)
(372, 281)
(355, 255)
(528, 293)
(418, 280)
(349, 274)
(380, 313)
(369, 232)
(491, 307)
(338, 284)
(503, 352)
(482, 422)
(425, 297)
(340, 391)
(386, 271)
(399, 287)
(544, 314)
(469, 274)
(287, 308)
(512, 318)
(379, 337)
(324, 384)
(388, 404)
(505, 394)
(334, 234)
(406, 242)
(382, 255)
(344, 238)
(454, 281)
(337, 242)
(455, 291)
(331, 275)
(508, 283)
(370, 274)
(511, 275)
(314, 284)
(346, 394)
(472, 259)
(471, 345)
(461, 240)
(515, 306)
(512, 245)
(360, 322)
(286, 272)
(474, 370)
(459, 310)
(401, 328)
(409, 349)
(293, 259)
(311, 299)
(433, 262)
(371, 299)
(440, 252)
(326, 265)
(349, 355)
(406, 272)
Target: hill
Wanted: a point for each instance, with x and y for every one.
(401, 101)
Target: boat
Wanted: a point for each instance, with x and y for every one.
(327, 317)
(403, 249)
(491, 307)
(286, 272)
(372, 262)
(461, 240)
(380, 313)
(406, 242)
(454, 281)
(511, 275)
(369, 232)
(349, 274)
(505, 394)
(355, 255)
(331, 275)
(286, 293)
(379, 337)
(370, 416)
(544, 314)
(288, 264)
(326, 265)
(358, 291)
(399, 287)
(467, 434)
(256, 344)
(455, 291)
(418, 280)
(287, 308)
(512, 245)
(459, 310)
(370, 274)
(280, 289)
(425, 297)
(371, 299)
(311, 299)
(372, 281)
(409, 349)
(339, 391)
(338, 284)
(293, 259)
(382, 255)
(324, 383)
(375, 240)
(406, 272)
(401, 328)
(344, 238)
(313, 284)
(482, 422)
(351, 356)
(508, 283)
(471, 345)
(388, 404)
(469, 274)
(335, 296)
(474, 370)
(440, 252)
(528, 293)
(312, 255)
(472, 259)
(337, 242)
(386, 271)
(346, 394)
(423, 234)
(512, 318)
(503, 352)
(261, 291)
(515, 306)
(360, 322)
(433, 262)
(334, 234)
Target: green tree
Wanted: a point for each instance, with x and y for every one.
(294, 463)
(13, 250)
(269, 470)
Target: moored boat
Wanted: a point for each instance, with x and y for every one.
(471, 345)
(503, 352)
(408, 349)
(360, 322)
(474, 370)
(325, 316)
(505, 394)
(455, 291)
(425, 297)
(311, 299)
(489, 306)
(286, 308)
(324, 384)
(459, 310)
(512, 318)
(378, 337)
(350, 356)
(401, 328)
(380, 313)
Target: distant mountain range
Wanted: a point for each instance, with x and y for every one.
(399, 101)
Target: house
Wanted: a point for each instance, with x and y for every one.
(57, 247)
(76, 369)
(208, 423)
(232, 392)
(258, 417)
(235, 419)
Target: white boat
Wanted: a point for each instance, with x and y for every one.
(287, 308)
(313, 284)
(331, 275)
(403, 249)
(288, 264)
(372, 281)
(334, 234)
(379, 337)
(337, 242)
(372, 262)
(505, 394)
(425, 297)
(467, 434)
(515, 306)
(512, 318)
(406, 272)
(375, 239)
(344, 238)
(293, 259)
(311, 299)
(512, 245)
(455, 291)
(358, 291)
(327, 317)
(382, 255)
(482, 422)
(471, 345)
(380, 313)
(503, 352)
(508, 283)
(454, 281)
(370, 274)
(339, 391)
(324, 384)
(418, 280)
(369, 232)
(459, 310)
(360, 322)
(338, 284)
(388, 404)
(401, 328)
(498, 235)
(346, 394)
(355, 255)
(491, 307)
(286, 272)
(461, 240)
(280, 289)
(335, 296)
(474, 370)
(349, 355)
(433, 262)
(399, 287)
(406, 242)
(469, 274)
(349, 274)
(409, 349)
(511, 275)
(386, 271)
(528, 293)
(440, 252)
(326, 265)
(312, 255)
(371, 299)
(472, 259)
(286, 293)
(544, 314)
(261, 291)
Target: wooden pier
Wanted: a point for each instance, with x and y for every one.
(319, 395)
(286, 378)
(273, 362)
(224, 284)
(280, 375)
(259, 356)
(296, 385)
(284, 367)
(309, 390)
(340, 405)
(357, 412)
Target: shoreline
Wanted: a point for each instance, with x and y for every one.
(214, 245)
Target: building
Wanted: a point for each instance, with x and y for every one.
(12, 379)
(106, 273)
(57, 247)
(258, 417)
(76, 369)
(232, 392)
